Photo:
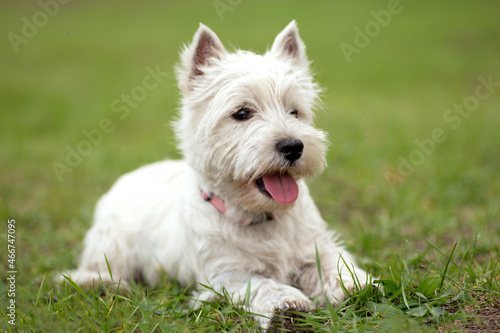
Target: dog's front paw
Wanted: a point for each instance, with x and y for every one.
(285, 317)
(282, 308)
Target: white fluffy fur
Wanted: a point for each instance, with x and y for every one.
(154, 219)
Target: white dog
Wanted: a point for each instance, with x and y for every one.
(235, 213)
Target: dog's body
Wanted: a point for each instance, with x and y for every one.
(235, 213)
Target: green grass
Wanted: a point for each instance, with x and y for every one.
(432, 239)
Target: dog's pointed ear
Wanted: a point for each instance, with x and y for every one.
(205, 47)
(289, 46)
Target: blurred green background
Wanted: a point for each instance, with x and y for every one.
(396, 89)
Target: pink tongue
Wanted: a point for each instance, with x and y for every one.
(282, 188)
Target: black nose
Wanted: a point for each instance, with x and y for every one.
(291, 149)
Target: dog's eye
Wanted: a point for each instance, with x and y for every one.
(295, 113)
(243, 114)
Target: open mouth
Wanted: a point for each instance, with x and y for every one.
(282, 188)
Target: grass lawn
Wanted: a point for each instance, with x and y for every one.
(413, 182)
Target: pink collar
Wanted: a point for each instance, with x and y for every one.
(215, 200)
(219, 204)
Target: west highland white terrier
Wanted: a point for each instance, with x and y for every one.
(235, 213)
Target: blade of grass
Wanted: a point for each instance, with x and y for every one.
(39, 290)
(329, 306)
(247, 293)
(357, 284)
(78, 289)
(404, 294)
(446, 267)
(109, 267)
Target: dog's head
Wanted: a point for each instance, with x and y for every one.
(246, 121)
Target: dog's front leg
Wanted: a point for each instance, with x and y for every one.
(271, 302)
